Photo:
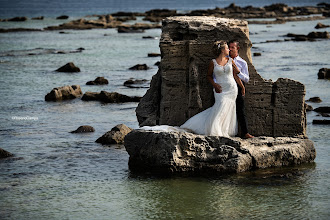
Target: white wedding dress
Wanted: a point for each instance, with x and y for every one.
(220, 119)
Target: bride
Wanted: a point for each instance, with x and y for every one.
(220, 119)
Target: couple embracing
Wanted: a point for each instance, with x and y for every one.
(227, 73)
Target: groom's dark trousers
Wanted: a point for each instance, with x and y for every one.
(240, 112)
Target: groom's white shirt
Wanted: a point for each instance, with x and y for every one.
(243, 68)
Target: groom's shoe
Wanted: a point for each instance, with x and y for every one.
(247, 136)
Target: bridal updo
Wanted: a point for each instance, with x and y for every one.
(218, 46)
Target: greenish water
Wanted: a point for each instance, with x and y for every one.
(59, 175)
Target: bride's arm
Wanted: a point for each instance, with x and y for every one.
(209, 77)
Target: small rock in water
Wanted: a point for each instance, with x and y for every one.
(69, 67)
(324, 73)
(4, 153)
(98, 81)
(323, 109)
(314, 99)
(139, 67)
(154, 55)
(84, 129)
(256, 54)
(321, 122)
(62, 17)
(115, 136)
(309, 108)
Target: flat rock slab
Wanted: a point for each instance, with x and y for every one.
(173, 152)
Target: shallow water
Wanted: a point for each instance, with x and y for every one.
(59, 175)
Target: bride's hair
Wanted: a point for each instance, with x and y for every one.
(218, 46)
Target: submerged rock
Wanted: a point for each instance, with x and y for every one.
(69, 67)
(63, 93)
(109, 97)
(115, 136)
(324, 73)
(84, 129)
(139, 67)
(171, 152)
(4, 153)
(315, 99)
(98, 81)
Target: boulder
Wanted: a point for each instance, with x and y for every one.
(308, 108)
(115, 136)
(177, 152)
(4, 153)
(320, 25)
(137, 83)
(321, 122)
(324, 73)
(314, 99)
(323, 109)
(62, 17)
(98, 81)
(18, 19)
(139, 67)
(109, 97)
(314, 34)
(69, 67)
(256, 54)
(63, 93)
(84, 129)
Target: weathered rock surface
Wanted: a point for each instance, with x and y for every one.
(115, 136)
(63, 93)
(324, 73)
(98, 81)
(69, 67)
(109, 97)
(170, 152)
(5, 154)
(180, 89)
(139, 67)
(84, 129)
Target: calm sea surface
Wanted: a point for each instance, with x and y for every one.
(59, 175)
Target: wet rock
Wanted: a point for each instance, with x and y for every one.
(38, 18)
(154, 55)
(157, 63)
(148, 37)
(308, 108)
(314, 99)
(325, 114)
(17, 19)
(98, 81)
(62, 17)
(324, 73)
(115, 136)
(139, 67)
(64, 93)
(129, 30)
(137, 83)
(69, 67)
(5, 154)
(314, 34)
(320, 25)
(171, 152)
(256, 54)
(84, 129)
(109, 97)
(323, 109)
(321, 122)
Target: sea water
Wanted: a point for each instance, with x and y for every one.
(59, 175)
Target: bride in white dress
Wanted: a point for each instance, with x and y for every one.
(220, 119)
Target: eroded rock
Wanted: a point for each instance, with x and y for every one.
(115, 136)
(324, 73)
(84, 129)
(63, 93)
(171, 152)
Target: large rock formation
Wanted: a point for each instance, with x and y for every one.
(171, 152)
(180, 89)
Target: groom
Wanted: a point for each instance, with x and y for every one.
(244, 76)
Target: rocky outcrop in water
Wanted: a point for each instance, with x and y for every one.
(109, 97)
(98, 81)
(64, 93)
(324, 73)
(84, 129)
(115, 136)
(172, 152)
(180, 89)
(5, 154)
(69, 67)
